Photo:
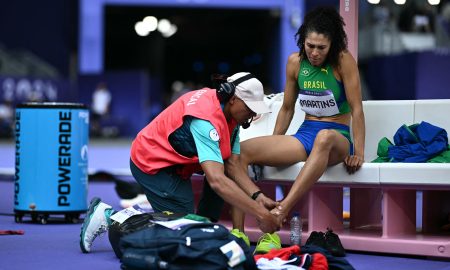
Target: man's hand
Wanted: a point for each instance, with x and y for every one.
(269, 223)
(267, 202)
(353, 163)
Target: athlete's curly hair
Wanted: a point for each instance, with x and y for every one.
(326, 21)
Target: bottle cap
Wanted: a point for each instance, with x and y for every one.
(296, 214)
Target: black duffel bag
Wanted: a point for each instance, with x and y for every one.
(193, 246)
(132, 224)
(135, 223)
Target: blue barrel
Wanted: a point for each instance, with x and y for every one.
(51, 161)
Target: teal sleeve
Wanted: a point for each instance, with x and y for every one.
(206, 141)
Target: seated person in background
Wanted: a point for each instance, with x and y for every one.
(325, 77)
(198, 132)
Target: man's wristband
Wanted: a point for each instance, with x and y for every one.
(256, 194)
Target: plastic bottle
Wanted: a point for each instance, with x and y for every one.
(296, 229)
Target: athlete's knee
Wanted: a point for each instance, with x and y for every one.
(325, 139)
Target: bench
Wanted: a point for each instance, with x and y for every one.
(394, 207)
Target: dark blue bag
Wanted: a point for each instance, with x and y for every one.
(194, 246)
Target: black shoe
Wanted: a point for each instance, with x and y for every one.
(316, 239)
(333, 244)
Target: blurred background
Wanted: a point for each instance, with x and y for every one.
(128, 59)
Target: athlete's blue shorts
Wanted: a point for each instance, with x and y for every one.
(307, 133)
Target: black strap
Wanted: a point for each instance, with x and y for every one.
(242, 79)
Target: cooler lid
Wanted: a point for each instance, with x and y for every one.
(52, 105)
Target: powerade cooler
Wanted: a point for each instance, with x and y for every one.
(51, 160)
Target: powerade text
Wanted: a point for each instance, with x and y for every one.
(64, 157)
(17, 162)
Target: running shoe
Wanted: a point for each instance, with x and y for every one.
(241, 235)
(333, 244)
(267, 242)
(316, 239)
(95, 223)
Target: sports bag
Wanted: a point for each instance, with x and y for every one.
(193, 246)
(135, 223)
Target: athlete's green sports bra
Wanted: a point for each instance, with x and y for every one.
(320, 93)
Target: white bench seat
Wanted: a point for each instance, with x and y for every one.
(336, 174)
(426, 174)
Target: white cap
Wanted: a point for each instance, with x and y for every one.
(251, 92)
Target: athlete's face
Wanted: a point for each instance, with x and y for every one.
(316, 48)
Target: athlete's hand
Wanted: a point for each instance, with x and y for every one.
(353, 163)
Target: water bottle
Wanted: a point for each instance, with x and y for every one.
(296, 229)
